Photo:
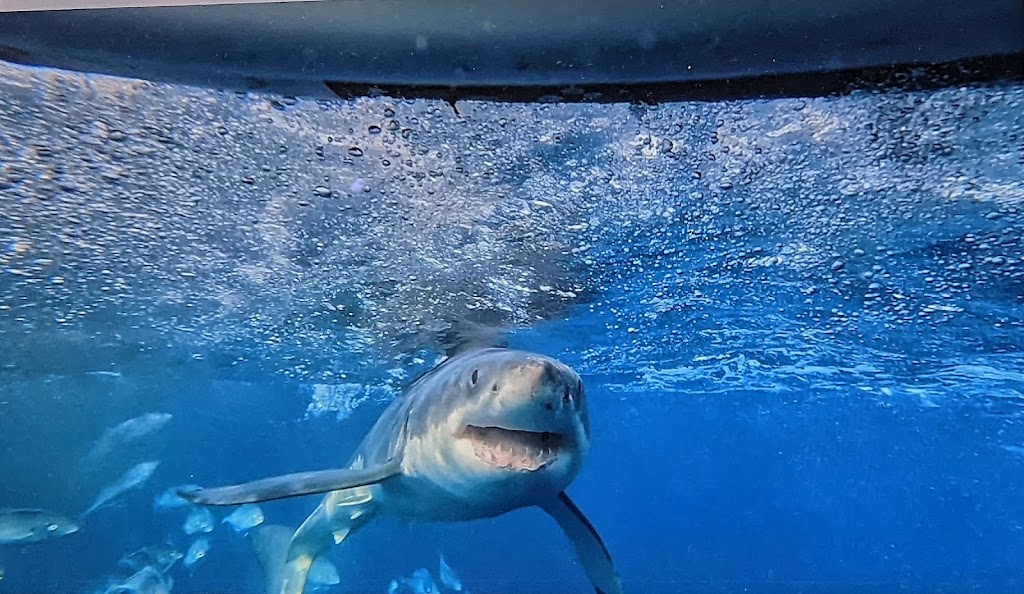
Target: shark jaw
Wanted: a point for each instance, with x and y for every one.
(513, 449)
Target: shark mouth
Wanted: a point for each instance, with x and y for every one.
(512, 449)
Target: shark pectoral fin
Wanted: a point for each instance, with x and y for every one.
(591, 552)
(281, 576)
(271, 545)
(334, 520)
(293, 485)
(340, 514)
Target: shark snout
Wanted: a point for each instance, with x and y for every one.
(552, 388)
(539, 369)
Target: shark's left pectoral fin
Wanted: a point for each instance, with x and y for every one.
(590, 550)
(294, 485)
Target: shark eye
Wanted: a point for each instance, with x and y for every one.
(473, 378)
(567, 397)
(579, 386)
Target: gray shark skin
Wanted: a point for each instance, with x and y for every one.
(482, 434)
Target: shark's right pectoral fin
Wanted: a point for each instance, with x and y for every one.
(294, 485)
(590, 550)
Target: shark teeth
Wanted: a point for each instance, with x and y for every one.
(512, 449)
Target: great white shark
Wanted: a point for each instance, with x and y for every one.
(482, 434)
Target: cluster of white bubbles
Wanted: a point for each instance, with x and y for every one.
(326, 240)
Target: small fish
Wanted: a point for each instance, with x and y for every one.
(196, 552)
(114, 374)
(160, 557)
(421, 582)
(323, 573)
(135, 476)
(199, 520)
(245, 518)
(170, 499)
(448, 577)
(20, 526)
(404, 586)
(127, 432)
(424, 581)
(145, 581)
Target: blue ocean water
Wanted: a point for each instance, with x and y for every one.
(800, 322)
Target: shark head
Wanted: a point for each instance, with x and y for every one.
(505, 421)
